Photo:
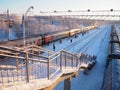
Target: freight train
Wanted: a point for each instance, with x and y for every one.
(111, 79)
(44, 39)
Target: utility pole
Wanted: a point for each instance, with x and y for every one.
(2, 20)
(8, 24)
(23, 24)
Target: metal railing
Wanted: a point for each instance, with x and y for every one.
(28, 64)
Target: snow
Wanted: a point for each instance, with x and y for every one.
(3, 36)
(94, 42)
(93, 81)
(12, 35)
(70, 46)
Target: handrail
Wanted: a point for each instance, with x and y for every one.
(7, 52)
(54, 57)
(68, 53)
(3, 66)
(54, 54)
(43, 49)
(10, 56)
(36, 60)
(38, 55)
(24, 52)
(11, 49)
(30, 64)
(23, 58)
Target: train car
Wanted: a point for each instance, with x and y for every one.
(61, 35)
(111, 79)
(49, 38)
(75, 31)
(28, 41)
(57, 36)
(38, 41)
(41, 40)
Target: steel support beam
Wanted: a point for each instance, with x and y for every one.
(67, 84)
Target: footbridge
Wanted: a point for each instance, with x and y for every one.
(34, 67)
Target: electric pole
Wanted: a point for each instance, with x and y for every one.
(8, 24)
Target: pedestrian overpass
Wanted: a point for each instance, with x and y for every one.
(34, 67)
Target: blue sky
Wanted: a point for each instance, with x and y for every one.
(20, 6)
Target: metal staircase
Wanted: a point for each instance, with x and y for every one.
(30, 63)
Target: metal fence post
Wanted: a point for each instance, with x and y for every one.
(72, 60)
(65, 60)
(17, 64)
(60, 60)
(76, 61)
(48, 54)
(32, 53)
(27, 67)
(56, 60)
(48, 70)
(17, 61)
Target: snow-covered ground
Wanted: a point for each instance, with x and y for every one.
(99, 47)
(94, 42)
(76, 42)
(94, 79)
(3, 36)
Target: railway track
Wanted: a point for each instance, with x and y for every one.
(94, 39)
(91, 38)
(76, 42)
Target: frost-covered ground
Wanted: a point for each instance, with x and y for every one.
(97, 45)
(4, 35)
(94, 42)
(76, 42)
(93, 81)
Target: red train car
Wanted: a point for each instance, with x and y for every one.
(41, 40)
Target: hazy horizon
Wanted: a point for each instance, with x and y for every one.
(20, 7)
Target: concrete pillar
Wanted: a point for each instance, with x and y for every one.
(67, 84)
